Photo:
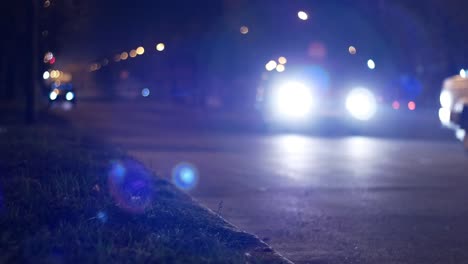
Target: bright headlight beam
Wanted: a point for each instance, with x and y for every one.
(293, 100)
(361, 104)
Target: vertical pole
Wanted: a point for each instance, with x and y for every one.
(32, 70)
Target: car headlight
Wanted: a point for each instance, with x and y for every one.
(361, 104)
(444, 116)
(293, 100)
(446, 99)
(69, 96)
(53, 95)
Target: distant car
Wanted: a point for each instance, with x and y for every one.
(301, 96)
(454, 106)
(63, 93)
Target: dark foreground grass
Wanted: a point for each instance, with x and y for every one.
(58, 205)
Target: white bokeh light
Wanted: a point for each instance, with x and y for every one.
(361, 104)
(293, 100)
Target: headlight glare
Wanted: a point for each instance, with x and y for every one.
(293, 100)
(361, 104)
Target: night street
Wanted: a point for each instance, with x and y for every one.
(234, 131)
(313, 198)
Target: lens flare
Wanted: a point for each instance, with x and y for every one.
(185, 176)
(102, 216)
(130, 185)
(145, 92)
(293, 100)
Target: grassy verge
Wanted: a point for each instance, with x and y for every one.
(66, 199)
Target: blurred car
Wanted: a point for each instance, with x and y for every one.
(304, 95)
(63, 93)
(453, 113)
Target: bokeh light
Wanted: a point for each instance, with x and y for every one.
(69, 96)
(105, 62)
(444, 116)
(244, 30)
(280, 68)
(371, 64)
(130, 185)
(117, 57)
(102, 216)
(46, 75)
(463, 73)
(396, 105)
(302, 15)
(133, 53)
(460, 134)
(160, 47)
(293, 100)
(46, 3)
(361, 104)
(412, 105)
(352, 50)
(282, 60)
(53, 95)
(446, 99)
(48, 56)
(124, 55)
(145, 92)
(185, 176)
(140, 50)
(317, 50)
(271, 65)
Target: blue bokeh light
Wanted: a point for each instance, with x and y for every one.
(185, 176)
(145, 92)
(102, 216)
(130, 185)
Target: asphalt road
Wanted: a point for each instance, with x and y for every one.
(316, 198)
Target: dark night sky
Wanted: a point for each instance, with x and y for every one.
(403, 33)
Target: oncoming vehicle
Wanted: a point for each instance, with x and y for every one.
(61, 94)
(306, 94)
(454, 106)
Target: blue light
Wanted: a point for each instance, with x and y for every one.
(69, 96)
(102, 216)
(185, 176)
(130, 185)
(145, 92)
